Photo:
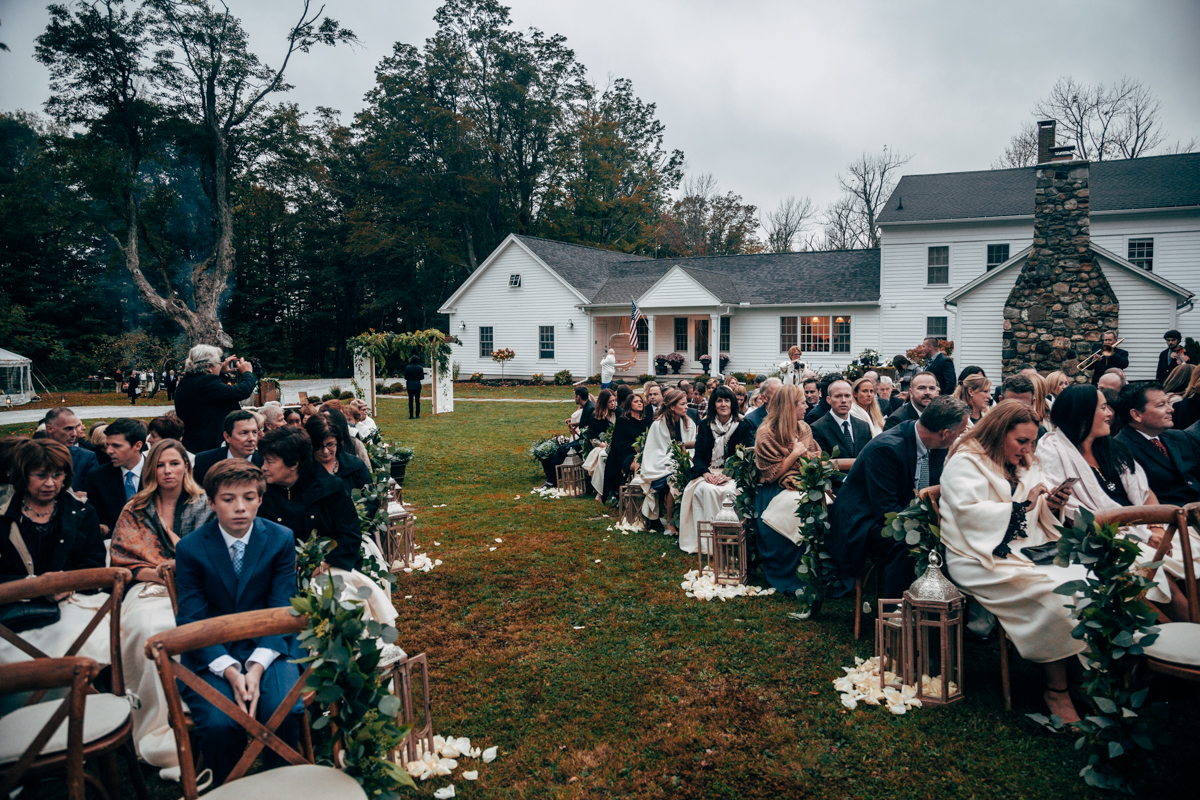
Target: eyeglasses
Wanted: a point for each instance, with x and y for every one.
(328, 446)
(42, 475)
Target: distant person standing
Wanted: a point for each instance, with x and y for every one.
(203, 400)
(414, 374)
(170, 380)
(1111, 357)
(609, 367)
(133, 384)
(940, 365)
(1171, 357)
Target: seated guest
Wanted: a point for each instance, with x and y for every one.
(732, 381)
(63, 427)
(839, 429)
(241, 433)
(656, 465)
(623, 392)
(976, 391)
(110, 487)
(600, 427)
(1168, 456)
(905, 369)
(1114, 400)
(814, 398)
(306, 411)
(93, 439)
(8, 452)
(743, 399)
(885, 395)
(720, 434)
(293, 417)
(864, 407)
(622, 458)
(782, 439)
(272, 417)
(169, 506)
(1186, 411)
(1107, 477)
(995, 501)
(45, 529)
(697, 394)
(328, 454)
(305, 498)
(887, 474)
(654, 398)
(168, 426)
(756, 416)
(364, 427)
(1177, 382)
(1056, 384)
(234, 563)
(1041, 402)
(577, 424)
(346, 439)
(1114, 378)
(921, 391)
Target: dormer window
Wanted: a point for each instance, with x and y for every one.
(514, 281)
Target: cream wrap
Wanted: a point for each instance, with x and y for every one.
(655, 461)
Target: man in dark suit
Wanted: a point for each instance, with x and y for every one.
(1169, 457)
(63, 427)
(886, 476)
(757, 415)
(1116, 359)
(241, 433)
(202, 399)
(940, 365)
(1171, 357)
(838, 429)
(921, 391)
(232, 564)
(111, 486)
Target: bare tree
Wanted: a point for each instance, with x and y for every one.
(1181, 146)
(868, 184)
(1140, 130)
(1022, 150)
(844, 227)
(787, 222)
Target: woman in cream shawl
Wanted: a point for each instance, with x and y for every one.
(994, 502)
(864, 406)
(721, 432)
(169, 506)
(779, 443)
(1108, 478)
(656, 466)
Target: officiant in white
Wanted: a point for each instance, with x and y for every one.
(720, 433)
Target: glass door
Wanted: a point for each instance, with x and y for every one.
(701, 338)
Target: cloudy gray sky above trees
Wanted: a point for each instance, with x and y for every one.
(772, 98)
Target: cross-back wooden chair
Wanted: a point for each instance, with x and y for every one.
(1176, 652)
(34, 740)
(166, 571)
(302, 778)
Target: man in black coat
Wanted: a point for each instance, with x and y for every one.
(756, 416)
(886, 476)
(940, 365)
(1119, 359)
(414, 373)
(241, 433)
(170, 380)
(921, 391)
(202, 399)
(111, 486)
(1171, 357)
(1169, 457)
(63, 427)
(838, 429)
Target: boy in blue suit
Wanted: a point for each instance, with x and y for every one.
(237, 563)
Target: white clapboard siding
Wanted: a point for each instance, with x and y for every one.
(754, 338)
(1146, 311)
(515, 314)
(979, 335)
(677, 289)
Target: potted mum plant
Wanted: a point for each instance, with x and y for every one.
(660, 365)
(675, 360)
(724, 360)
(706, 363)
(399, 458)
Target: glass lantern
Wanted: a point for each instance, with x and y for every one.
(894, 663)
(722, 543)
(934, 618)
(572, 477)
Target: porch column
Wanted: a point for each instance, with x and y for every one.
(714, 344)
(650, 351)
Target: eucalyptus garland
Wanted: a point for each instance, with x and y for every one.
(430, 343)
(357, 729)
(917, 527)
(816, 569)
(681, 466)
(742, 468)
(377, 494)
(1116, 624)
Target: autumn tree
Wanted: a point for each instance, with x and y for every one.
(704, 222)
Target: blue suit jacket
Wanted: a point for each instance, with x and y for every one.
(83, 462)
(208, 588)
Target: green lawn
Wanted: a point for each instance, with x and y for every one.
(659, 695)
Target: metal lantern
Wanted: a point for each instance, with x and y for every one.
(629, 509)
(934, 617)
(722, 543)
(890, 645)
(397, 541)
(572, 477)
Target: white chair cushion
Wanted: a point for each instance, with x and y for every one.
(1177, 643)
(104, 713)
(295, 783)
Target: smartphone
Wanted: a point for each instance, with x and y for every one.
(1064, 485)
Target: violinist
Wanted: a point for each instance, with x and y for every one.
(1172, 357)
(1109, 356)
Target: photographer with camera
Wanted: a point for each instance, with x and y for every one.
(203, 399)
(792, 371)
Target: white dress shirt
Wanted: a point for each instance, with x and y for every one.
(262, 655)
(137, 471)
(844, 424)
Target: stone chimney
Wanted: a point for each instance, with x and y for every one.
(1061, 303)
(1045, 131)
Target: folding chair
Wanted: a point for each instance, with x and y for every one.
(302, 778)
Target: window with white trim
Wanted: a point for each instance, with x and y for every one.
(643, 335)
(486, 342)
(1141, 253)
(787, 333)
(724, 342)
(514, 281)
(939, 265)
(936, 326)
(997, 254)
(681, 334)
(545, 341)
(841, 334)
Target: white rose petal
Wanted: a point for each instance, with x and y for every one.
(489, 755)
(499, 540)
(450, 751)
(444, 794)
(491, 549)
(408, 597)
(449, 764)
(437, 544)
(518, 497)
(579, 627)
(470, 775)
(849, 702)
(597, 561)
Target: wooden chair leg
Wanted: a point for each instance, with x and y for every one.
(135, 771)
(858, 612)
(1005, 681)
(109, 775)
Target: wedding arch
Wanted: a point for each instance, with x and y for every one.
(371, 351)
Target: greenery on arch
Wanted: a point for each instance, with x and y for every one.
(430, 343)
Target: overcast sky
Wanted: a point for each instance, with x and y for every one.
(773, 98)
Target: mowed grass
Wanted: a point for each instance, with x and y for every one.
(659, 695)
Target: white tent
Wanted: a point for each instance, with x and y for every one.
(16, 383)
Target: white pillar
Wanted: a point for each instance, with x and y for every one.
(650, 354)
(714, 344)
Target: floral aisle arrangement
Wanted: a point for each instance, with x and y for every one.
(870, 358)
(816, 569)
(502, 357)
(701, 586)
(1116, 623)
(741, 467)
(431, 344)
(544, 449)
(377, 495)
(917, 527)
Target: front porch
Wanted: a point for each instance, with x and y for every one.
(690, 335)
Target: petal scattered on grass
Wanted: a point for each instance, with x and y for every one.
(444, 794)
(471, 775)
(489, 755)
(498, 540)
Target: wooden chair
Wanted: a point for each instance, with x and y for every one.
(302, 779)
(34, 741)
(1176, 652)
(166, 571)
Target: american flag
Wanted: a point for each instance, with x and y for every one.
(635, 314)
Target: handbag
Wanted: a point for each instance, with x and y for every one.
(36, 612)
(1042, 553)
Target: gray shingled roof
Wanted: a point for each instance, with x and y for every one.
(605, 277)
(1152, 182)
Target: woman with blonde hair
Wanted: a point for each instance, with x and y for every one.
(169, 506)
(671, 426)
(864, 406)
(1056, 383)
(792, 370)
(976, 391)
(782, 439)
(1041, 405)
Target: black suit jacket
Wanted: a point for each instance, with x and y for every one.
(906, 413)
(106, 494)
(752, 420)
(210, 458)
(1118, 360)
(202, 401)
(1165, 365)
(881, 481)
(814, 414)
(828, 433)
(943, 369)
(705, 441)
(1175, 481)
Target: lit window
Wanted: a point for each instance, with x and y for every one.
(546, 341)
(997, 254)
(814, 334)
(486, 342)
(787, 333)
(939, 265)
(841, 334)
(935, 326)
(1141, 253)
